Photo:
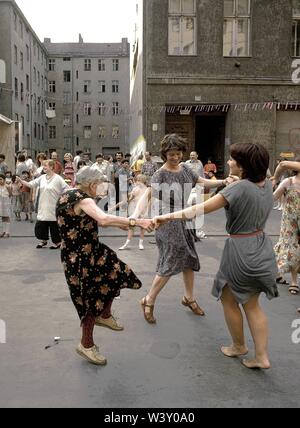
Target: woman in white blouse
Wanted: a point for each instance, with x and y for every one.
(49, 187)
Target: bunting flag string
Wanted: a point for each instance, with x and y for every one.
(87, 108)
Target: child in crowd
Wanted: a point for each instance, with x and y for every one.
(16, 203)
(26, 197)
(5, 207)
(136, 194)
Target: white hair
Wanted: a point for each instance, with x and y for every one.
(88, 175)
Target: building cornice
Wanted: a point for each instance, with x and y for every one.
(244, 81)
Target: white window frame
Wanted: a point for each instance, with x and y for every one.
(102, 86)
(101, 108)
(115, 86)
(115, 132)
(52, 132)
(181, 16)
(101, 65)
(87, 132)
(116, 64)
(87, 109)
(52, 86)
(295, 30)
(51, 64)
(87, 65)
(87, 84)
(116, 108)
(102, 132)
(235, 17)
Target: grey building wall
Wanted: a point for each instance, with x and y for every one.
(214, 79)
(78, 53)
(22, 97)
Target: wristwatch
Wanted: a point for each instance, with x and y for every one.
(132, 222)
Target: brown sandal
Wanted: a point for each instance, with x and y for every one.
(196, 308)
(148, 315)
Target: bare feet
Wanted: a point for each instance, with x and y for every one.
(234, 351)
(256, 364)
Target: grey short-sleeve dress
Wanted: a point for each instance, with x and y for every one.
(248, 264)
(175, 240)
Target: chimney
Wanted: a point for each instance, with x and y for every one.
(125, 46)
(47, 40)
(80, 39)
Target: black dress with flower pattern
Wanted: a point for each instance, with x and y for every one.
(93, 271)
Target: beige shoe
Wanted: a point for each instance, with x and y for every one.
(91, 354)
(110, 322)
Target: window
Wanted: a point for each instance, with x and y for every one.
(87, 65)
(67, 59)
(22, 92)
(296, 29)
(102, 132)
(34, 103)
(87, 87)
(27, 82)
(52, 86)
(77, 74)
(115, 65)
(34, 130)
(34, 74)
(42, 132)
(115, 132)
(22, 60)
(115, 86)
(15, 54)
(182, 27)
(67, 76)
(51, 64)
(42, 81)
(237, 27)
(51, 106)
(16, 88)
(115, 109)
(77, 96)
(21, 29)
(27, 113)
(34, 48)
(66, 98)
(27, 52)
(87, 132)
(39, 132)
(101, 109)
(102, 86)
(87, 109)
(52, 132)
(101, 65)
(77, 118)
(15, 22)
(23, 125)
(68, 144)
(67, 121)
(38, 78)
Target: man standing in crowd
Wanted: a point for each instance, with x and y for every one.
(58, 168)
(3, 166)
(149, 167)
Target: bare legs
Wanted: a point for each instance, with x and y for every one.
(258, 326)
(235, 324)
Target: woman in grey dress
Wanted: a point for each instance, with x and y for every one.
(171, 186)
(248, 266)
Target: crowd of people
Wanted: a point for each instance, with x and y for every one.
(73, 198)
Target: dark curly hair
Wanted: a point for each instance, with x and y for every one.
(254, 159)
(172, 142)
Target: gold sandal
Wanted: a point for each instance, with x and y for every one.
(196, 309)
(148, 315)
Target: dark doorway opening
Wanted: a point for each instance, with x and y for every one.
(210, 139)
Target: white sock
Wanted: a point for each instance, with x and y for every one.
(141, 244)
(125, 245)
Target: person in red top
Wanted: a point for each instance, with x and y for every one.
(58, 168)
(210, 167)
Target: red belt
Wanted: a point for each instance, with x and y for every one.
(247, 235)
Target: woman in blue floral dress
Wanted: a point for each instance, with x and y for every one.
(93, 271)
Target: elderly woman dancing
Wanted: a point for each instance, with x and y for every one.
(93, 272)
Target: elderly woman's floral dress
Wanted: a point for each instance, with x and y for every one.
(287, 249)
(93, 271)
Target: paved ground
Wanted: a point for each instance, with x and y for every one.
(176, 363)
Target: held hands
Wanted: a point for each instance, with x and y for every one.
(159, 221)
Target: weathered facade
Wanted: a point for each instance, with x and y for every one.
(89, 93)
(23, 96)
(213, 85)
(66, 96)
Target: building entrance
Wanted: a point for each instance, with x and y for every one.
(210, 139)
